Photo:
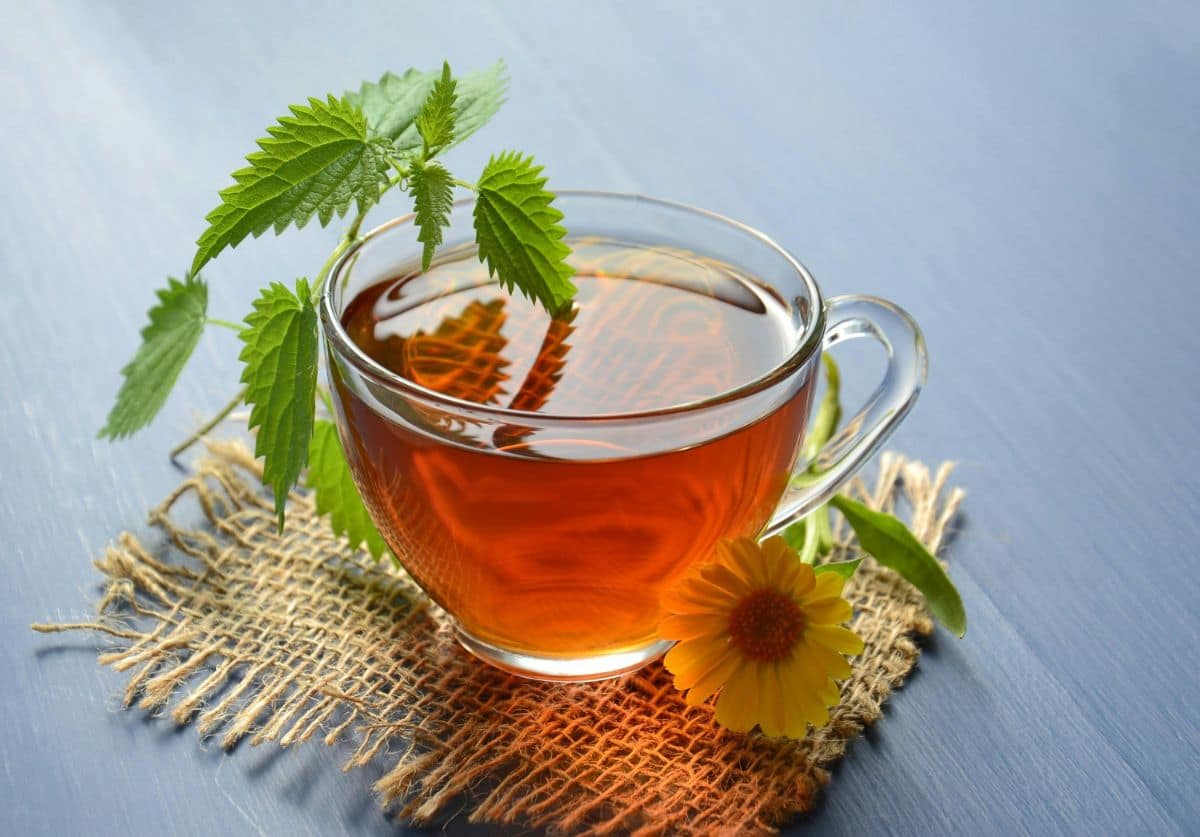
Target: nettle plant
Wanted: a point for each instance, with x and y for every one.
(320, 161)
(339, 153)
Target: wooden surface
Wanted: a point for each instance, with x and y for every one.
(1024, 179)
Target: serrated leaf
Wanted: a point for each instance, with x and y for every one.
(168, 340)
(435, 122)
(480, 95)
(336, 494)
(518, 232)
(280, 374)
(843, 568)
(895, 547)
(315, 162)
(433, 193)
(391, 104)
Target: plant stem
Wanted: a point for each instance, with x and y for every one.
(217, 321)
(401, 172)
(348, 238)
(464, 184)
(819, 521)
(808, 548)
(352, 233)
(204, 429)
(333, 257)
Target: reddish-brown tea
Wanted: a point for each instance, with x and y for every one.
(550, 541)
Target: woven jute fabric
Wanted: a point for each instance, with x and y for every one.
(242, 632)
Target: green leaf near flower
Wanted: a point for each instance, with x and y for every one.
(843, 568)
(890, 542)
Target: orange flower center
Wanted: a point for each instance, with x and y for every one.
(765, 625)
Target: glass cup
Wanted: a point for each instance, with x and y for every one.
(551, 555)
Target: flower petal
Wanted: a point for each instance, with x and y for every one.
(771, 699)
(788, 575)
(828, 611)
(815, 711)
(828, 692)
(825, 586)
(817, 677)
(825, 659)
(805, 671)
(695, 594)
(804, 706)
(795, 720)
(839, 639)
(725, 578)
(691, 658)
(737, 707)
(713, 679)
(697, 662)
(802, 583)
(692, 625)
(780, 561)
(743, 557)
(754, 564)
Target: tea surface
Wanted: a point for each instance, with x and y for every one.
(649, 329)
(552, 541)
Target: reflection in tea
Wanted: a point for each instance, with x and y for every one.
(560, 545)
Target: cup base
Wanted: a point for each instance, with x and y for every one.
(558, 669)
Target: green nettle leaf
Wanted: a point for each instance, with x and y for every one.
(480, 95)
(433, 191)
(392, 104)
(315, 162)
(894, 546)
(843, 568)
(280, 374)
(336, 495)
(175, 326)
(435, 122)
(518, 231)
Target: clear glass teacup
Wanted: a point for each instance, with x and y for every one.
(549, 536)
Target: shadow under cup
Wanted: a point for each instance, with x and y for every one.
(551, 554)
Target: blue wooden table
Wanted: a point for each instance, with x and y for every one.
(1025, 179)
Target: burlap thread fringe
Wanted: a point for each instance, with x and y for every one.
(283, 638)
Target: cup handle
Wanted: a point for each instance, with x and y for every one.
(848, 318)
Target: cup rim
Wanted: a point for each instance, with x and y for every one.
(346, 348)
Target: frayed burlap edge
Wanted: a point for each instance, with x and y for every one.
(247, 633)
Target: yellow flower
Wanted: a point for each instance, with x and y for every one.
(766, 627)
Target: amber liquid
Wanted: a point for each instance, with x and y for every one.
(557, 542)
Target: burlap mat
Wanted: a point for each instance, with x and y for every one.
(282, 638)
